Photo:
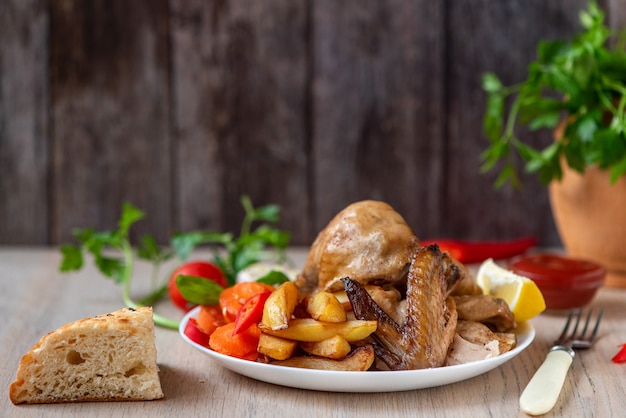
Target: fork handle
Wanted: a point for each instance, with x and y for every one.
(544, 388)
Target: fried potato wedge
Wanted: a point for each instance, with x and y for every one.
(324, 306)
(336, 348)
(342, 296)
(279, 306)
(361, 359)
(310, 330)
(275, 347)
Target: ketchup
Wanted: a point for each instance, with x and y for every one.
(565, 282)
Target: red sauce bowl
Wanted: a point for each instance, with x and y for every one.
(565, 282)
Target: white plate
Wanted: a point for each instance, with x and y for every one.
(379, 381)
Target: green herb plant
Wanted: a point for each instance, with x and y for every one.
(581, 83)
(114, 255)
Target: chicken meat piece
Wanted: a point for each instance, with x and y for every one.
(461, 283)
(493, 312)
(463, 351)
(478, 333)
(475, 341)
(430, 323)
(368, 241)
(390, 300)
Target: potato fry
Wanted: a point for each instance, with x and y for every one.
(275, 347)
(324, 306)
(310, 330)
(279, 306)
(361, 359)
(336, 348)
(342, 297)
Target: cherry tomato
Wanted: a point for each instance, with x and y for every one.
(203, 269)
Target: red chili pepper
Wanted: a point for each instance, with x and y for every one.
(195, 334)
(620, 357)
(479, 251)
(251, 312)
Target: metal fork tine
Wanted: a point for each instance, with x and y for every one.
(595, 328)
(584, 331)
(579, 312)
(563, 335)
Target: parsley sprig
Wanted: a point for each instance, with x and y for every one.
(114, 255)
(582, 82)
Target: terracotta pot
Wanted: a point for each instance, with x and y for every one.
(590, 216)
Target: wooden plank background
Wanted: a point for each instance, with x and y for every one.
(181, 107)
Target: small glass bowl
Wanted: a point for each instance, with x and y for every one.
(566, 283)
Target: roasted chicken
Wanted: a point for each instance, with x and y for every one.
(416, 294)
(429, 327)
(368, 241)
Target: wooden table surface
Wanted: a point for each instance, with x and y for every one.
(36, 298)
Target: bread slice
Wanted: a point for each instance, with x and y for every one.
(109, 357)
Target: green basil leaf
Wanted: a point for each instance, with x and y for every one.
(274, 277)
(198, 290)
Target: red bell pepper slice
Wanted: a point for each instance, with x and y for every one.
(251, 312)
(620, 357)
(479, 251)
(195, 334)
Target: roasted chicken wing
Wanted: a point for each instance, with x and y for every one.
(429, 327)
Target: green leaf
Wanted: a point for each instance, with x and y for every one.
(130, 215)
(270, 236)
(198, 290)
(547, 51)
(507, 175)
(111, 267)
(613, 147)
(268, 213)
(72, 258)
(586, 128)
(83, 235)
(547, 120)
(149, 250)
(274, 277)
(184, 243)
(491, 83)
(618, 170)
(492, 121)
(528, 153)
(562, 82)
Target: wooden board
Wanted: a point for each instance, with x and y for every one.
(181, 107)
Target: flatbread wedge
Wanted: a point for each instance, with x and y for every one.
(110, 357)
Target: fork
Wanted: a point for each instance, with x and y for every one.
(544, 388)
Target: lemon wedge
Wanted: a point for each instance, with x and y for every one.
(520, 293)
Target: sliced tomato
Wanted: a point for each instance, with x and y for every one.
(195, 334)
(202, 269)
